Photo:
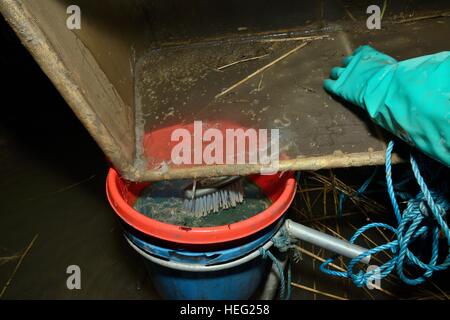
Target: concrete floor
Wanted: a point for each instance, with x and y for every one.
(52, 184)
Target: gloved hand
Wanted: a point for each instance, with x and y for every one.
(410, 98)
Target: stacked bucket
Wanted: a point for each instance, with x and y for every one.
(221, 262)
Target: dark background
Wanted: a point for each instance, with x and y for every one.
(52, 184)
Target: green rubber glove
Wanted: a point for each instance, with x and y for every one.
(410, 98)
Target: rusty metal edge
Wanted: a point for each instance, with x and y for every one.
(336, 160)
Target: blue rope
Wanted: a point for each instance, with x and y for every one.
(423, 216)
(283, 243)
(298, 176)
(359, 192)
(284, 294)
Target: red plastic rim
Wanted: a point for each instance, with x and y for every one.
(122, 195)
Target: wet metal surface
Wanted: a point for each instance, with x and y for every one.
(178, 85)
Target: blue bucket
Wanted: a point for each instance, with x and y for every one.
(230, 274)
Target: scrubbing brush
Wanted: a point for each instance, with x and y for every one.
(212, 194)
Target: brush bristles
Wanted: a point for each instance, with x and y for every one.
(224, 198)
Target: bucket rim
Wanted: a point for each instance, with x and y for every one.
(199, 235)
(189, 267)
(205, 257)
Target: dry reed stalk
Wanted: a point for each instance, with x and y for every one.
(4, 260)
(18, 265)
(324, 218)
(267, 66)
(430, 16)
(348, 191)
(317, 257)
(304, 38)
(325, 294)
(241, 61)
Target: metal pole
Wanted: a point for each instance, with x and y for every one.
(325, 241)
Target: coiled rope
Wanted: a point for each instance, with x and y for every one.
(424, 216)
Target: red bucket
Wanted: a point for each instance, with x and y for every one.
(279, 188)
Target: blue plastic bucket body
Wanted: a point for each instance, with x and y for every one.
(237, 283)
(203, 258)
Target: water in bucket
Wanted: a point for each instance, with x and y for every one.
(163, 201)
